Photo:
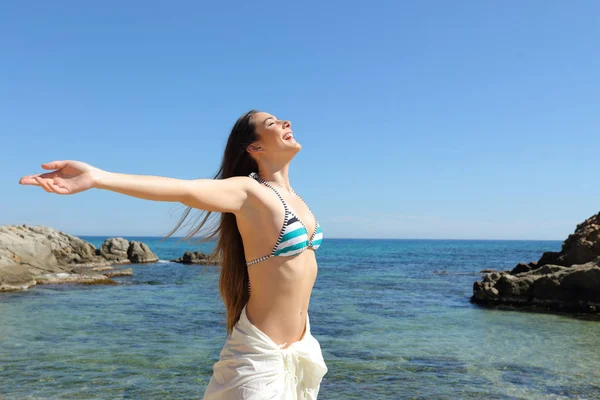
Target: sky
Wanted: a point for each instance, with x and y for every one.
(431, 119)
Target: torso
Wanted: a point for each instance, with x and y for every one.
(280, 286)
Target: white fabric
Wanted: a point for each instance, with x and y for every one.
(253, 367)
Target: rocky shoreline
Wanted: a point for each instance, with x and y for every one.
(32, 255)
(566, 281)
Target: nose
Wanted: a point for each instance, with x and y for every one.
(287, 124)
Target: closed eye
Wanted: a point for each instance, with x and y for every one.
(272, 121)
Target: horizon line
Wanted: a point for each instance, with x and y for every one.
(349, 238)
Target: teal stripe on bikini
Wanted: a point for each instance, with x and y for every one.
(293, 234)
(317, 242)
(291, 248)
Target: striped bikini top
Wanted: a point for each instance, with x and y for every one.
(293, 238)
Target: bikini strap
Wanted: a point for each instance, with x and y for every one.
(259, 179)
(311, 213)
(286, 215)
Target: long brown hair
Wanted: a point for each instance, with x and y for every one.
(229, 252)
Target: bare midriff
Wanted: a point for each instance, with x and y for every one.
(280, 295)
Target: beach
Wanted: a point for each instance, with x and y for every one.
(393, 318)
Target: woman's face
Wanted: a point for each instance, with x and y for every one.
(274, 135)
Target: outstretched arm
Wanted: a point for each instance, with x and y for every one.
(70, 177)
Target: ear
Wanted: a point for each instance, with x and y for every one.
(254, 148)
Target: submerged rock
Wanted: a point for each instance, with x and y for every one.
(63, 277)
(118, 272)
(31, 255)
(567, 281)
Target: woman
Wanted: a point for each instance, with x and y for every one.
(267, 237)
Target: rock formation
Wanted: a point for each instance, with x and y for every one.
(195, 257)
(568, 280)
(31, 255)
(123, 251)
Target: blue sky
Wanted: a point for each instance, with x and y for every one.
(432, 119)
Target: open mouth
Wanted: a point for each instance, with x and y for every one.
(288, 136)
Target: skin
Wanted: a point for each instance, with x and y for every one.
(281, 286)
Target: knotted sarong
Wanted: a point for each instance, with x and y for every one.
(252, 367)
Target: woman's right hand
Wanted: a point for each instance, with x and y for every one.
(68, 177)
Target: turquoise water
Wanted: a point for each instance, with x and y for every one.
(390, 325)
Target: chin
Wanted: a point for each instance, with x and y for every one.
(292, 148)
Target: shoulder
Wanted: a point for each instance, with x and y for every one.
(244, 182)
(254, 190)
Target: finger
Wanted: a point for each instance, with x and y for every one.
(28, 180)
(40, 182)
(55, 164)
(58, 189)
(44, 184)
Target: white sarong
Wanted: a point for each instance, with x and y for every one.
(252, 366)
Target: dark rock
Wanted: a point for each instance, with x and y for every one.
(492, 276)
(584, 280)
(515, 290)
(484, 291)
(195, 257)
(580, 247)
(568, 280)
(548, 287)
(549, 257)
(548, 269)
(521, 267)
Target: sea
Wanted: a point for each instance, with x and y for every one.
(393, 318)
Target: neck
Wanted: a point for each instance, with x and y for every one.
(276, 173)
